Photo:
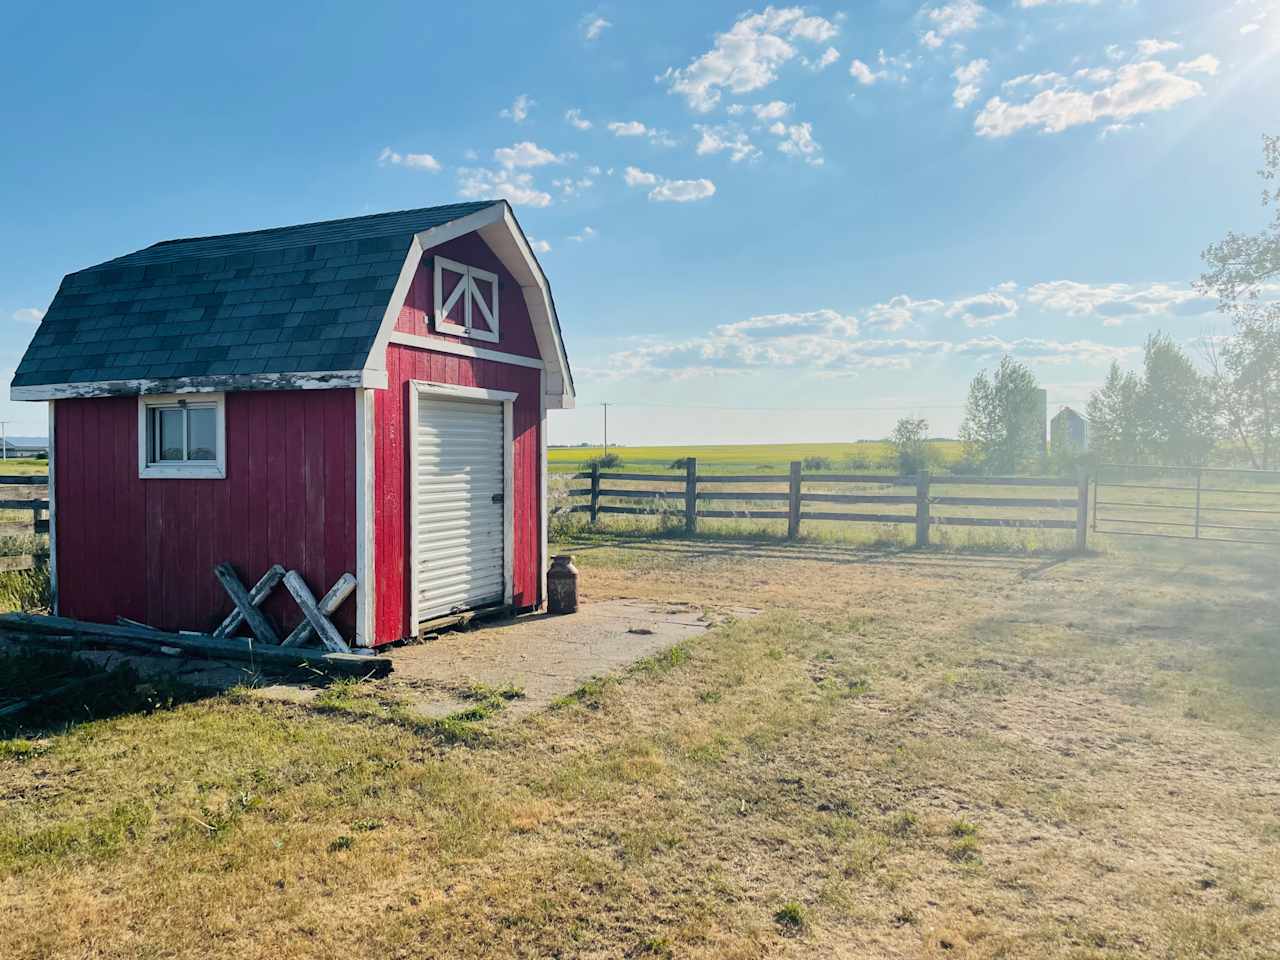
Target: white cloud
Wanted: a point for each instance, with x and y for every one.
(634, 128)
(949, 19)
(480, 184)
(588, 233)
(900, 312)
(628, 128)
(719, 139)
(1028, 4)
(636, 177)
(519, 110)
(1091, 96)
(1206, 63)
(29, 315)
(1114, 303)
(417, 161)
(682, 191)
(773, 110)
(829, 56)
(570, 186)
(984, 310)
(1153, 47)
(748, 56)
(525, 154)
(969, 82)
(539, 246)
(797, 141)
(825, 343)
(575, 119)
(863, 73)
(669, 191)
(593, 25)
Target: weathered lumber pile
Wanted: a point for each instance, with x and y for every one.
(66, 633)
(266, 647)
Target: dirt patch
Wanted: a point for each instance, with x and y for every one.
(543, 657)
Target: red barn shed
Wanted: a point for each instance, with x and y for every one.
(364, 395)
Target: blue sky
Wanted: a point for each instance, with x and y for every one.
(761, 223)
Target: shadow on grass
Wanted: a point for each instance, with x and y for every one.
(45, 691)
(743, 546)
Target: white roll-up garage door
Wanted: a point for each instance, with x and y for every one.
(458, 510)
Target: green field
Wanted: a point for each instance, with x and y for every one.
(874, 455)
(23, 466)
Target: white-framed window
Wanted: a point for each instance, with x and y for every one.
(466, 300)
(182, 436)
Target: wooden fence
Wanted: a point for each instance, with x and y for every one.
(798, 502)
(28, 495)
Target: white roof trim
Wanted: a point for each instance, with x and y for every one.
(319, 380)
(497, 226)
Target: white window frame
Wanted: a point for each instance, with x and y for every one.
(471, 297)
(215, 469)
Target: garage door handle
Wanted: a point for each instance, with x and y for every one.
(496, 498)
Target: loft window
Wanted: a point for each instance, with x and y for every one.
(466, 300)
(181, 436)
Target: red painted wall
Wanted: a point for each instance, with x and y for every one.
(391, 433)
(146, 549)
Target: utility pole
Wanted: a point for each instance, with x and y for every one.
(606, 428)
(4, 439)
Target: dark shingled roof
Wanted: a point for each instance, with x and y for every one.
(301, 299)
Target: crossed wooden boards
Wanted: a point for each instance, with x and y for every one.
(315, 615)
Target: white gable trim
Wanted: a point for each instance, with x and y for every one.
(497, 226)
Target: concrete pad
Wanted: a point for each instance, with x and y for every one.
(548, 657)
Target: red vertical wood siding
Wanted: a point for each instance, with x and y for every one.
(391, 437)
(146, 549)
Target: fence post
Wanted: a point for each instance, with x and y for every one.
(691, 496)
(1082, 511)
(793, 502)
(595, 493)
(922, 508)
(1199, 474)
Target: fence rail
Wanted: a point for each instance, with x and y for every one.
(30, 495)
(690, 491)
(1190, 509)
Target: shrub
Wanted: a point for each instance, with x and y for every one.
(790, 917)
(818, 463)
(606, 461)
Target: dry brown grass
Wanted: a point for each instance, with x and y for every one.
(906, 754)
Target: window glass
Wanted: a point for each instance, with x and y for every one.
(169, 430)
(202, 433)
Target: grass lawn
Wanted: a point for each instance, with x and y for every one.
(875, 455)
(905, 754)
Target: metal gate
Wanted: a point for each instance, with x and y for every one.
(1187, 503)
(458, 492)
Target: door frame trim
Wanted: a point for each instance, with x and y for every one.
(431, 388)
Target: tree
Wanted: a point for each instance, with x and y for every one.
(1175, 410)
(1246, 367)
(1113, 418)
(1003, 428)
(1166, 416)
(910, 439)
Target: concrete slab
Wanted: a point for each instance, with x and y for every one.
(548, 657)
